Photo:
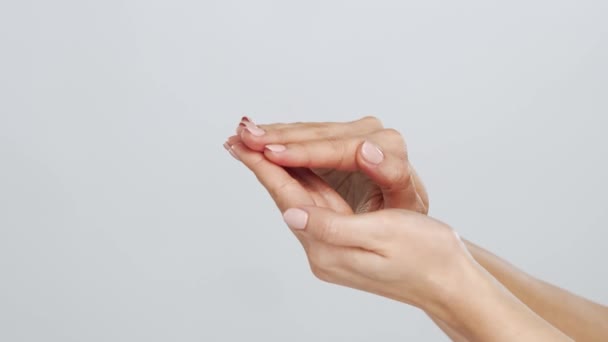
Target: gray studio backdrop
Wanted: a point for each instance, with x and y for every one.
(122, 218)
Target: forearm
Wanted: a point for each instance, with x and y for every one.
(451, 333)
(475, 307)
(577, 317)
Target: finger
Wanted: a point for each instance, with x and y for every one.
(268, 127)
(232, 140)
(365, 231)
(392, 175)
(256, 137)
(382, 156)
(282, 187)
(338, 154)
(320, 187)
(420, 190)
(276, 125)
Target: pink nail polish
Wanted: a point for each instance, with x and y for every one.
(296, 218)
(372, 153)
(240, 128)
(275, 148)
(253, 129)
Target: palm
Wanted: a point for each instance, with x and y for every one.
(363, 195)
(358, 190)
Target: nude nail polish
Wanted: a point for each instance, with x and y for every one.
(372, 153)
(296, 218)
(253, 129)
(275, 148)
(240, 128)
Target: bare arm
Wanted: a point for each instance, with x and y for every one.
(484, 310)
(340, 148)
(577, 317)
(398, 254)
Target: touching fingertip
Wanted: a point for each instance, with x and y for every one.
(254, 129)
(275, 148)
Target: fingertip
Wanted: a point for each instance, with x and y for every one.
(296, 218)
(254, 142)
(283, 155)
(371, 153)
(253, 129)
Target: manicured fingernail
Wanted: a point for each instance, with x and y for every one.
(240, 128)
(244, 118)
(296, 218)
(372, 153)
(276, 148)
(226, 146)
(233, 154)
(253, 129)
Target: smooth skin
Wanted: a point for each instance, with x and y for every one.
(360, 167)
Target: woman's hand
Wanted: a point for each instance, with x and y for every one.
(398, 254)
(364, 162)
(395, 253)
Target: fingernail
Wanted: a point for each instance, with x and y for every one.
(240, 128)
(295, 218)
(226, 146)
(233, 154)
(244, 118)
(276, 148)
(372, 153)
(253, 129)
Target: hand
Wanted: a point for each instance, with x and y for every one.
(364, 162)
(398, 254)
(394, 253)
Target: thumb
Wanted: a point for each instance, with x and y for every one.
(333, 228)
(391, 173)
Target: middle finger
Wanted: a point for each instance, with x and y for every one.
(257, 137)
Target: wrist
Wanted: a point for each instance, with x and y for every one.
(477, 306)
(456, 287)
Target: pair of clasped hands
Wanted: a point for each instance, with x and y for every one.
(351, 197)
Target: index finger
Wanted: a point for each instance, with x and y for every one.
(282, 187)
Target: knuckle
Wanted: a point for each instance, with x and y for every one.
(392, 133)
(396, 140)
(372, 120)
(322, 131)
(339, 149)
(278, 135)
(284, 188)
(400, 176)
(320, 263)
(328, 231)
(320, 273)
(394, 136)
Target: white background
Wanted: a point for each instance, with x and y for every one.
(123, 219)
